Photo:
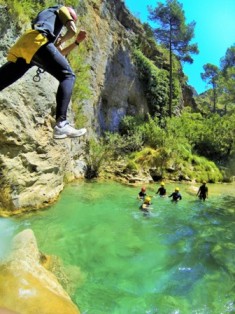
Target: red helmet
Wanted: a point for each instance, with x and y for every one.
(72, 13)
(143, 189)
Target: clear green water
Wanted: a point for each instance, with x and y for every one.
(180, 259)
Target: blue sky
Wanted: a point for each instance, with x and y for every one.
(214, 31)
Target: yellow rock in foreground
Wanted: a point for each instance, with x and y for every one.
(26, 287)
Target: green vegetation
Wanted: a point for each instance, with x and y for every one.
(222, 81)
(95, 154)
(155, 82)
(211, 75)
(188, 147)
(81, 91)
(24, 10)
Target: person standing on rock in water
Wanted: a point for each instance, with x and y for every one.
(42, 46)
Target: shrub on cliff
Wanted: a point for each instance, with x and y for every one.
(155, 83)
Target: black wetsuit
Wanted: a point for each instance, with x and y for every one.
(176, 196)
(161, 191)
(142, 195)
(202, 192)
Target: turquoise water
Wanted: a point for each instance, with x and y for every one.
(179, 259)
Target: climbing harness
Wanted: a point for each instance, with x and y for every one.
(37, 77)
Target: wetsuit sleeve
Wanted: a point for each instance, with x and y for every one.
(64, 15)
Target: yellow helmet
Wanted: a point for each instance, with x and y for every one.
(147, 199)
(177, 189)
(162, 183)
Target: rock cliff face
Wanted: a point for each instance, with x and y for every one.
(116, 89)
(33, 166)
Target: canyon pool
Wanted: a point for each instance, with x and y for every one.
(178, 259)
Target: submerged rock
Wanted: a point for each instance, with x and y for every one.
(26, 286)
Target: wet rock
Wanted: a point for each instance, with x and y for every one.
(26, 286)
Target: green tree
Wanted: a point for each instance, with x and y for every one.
(211, 76)
(173, 32)
(189, 126)
(226, 86)
(228, 60)
(217, 140)
(227, 79)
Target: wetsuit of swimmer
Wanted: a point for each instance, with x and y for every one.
(161, 191)
(203, 192)
(176, 196)
(142, 193)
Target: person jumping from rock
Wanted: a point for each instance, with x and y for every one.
(42, 46)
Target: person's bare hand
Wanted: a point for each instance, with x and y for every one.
(81, 36)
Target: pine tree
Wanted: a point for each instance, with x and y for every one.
(229, 60)
(227, 79)
(174, 34)
(211, 75)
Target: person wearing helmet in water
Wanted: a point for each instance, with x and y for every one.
(203, 191)
(161, 191)
(142, 193)
(145, 207)
(176, 196)
(43, 46)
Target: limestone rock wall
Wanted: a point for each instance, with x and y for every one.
(33, 166)
(116, 89)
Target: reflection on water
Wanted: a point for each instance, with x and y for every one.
(7, 229)
(179, 259)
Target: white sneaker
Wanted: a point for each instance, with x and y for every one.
(67, 131)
